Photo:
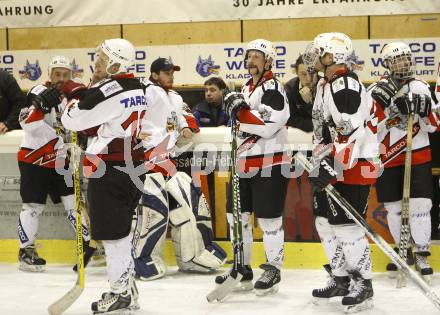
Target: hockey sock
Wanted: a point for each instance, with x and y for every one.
(69, 205)
(247, 234)
(119, 263)
(420, 222)
(356, 249)
(332, 247)
(273, 239)
(28, 223)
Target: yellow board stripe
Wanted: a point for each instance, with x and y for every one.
(297, 255)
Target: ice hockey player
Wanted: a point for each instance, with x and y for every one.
(398, 94)
(170, 197)
(262, 110)
(345, 155)
(41, 151)
(115, 103)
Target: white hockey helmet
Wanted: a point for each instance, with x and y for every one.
(266, 47)
(119, 51)
(397, 57)
(337, 44)
(59, 62)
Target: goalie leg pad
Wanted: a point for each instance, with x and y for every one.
(191, 228)
(151, 227)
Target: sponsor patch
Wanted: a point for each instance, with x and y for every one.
(110, 88)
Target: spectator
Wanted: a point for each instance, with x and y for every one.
(300, 94)
(210, 113)
(12, 99)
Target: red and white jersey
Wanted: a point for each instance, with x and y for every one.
(116, 107)
(262, 134)
(41, 145)
(164, 120)
(345, 118)
(393, 129)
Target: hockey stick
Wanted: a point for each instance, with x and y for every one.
(72, 295)
(381, 243)
(236, 274)
(404, 228)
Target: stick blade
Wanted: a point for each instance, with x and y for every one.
(63, 303)
(220, 292)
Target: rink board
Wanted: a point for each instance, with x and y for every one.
(298, 255)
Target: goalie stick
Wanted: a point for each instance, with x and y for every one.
(236, 274)
(380, 242)
(63, 303)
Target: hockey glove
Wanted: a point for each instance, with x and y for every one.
(324, 171)
(384, 90)
(234, 101)
(416, 103)
(72, 89)
(48, 99)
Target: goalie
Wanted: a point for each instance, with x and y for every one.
(170, 197)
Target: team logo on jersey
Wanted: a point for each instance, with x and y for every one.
(206, 67)
(265, 115)
(172, 122)
(77, 72)
(31, 71)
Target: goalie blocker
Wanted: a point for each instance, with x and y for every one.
(184, 206)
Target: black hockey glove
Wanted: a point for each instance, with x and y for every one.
(384, 90)
(414, 103)
(234, 101)
(47, 99)
(324, 171)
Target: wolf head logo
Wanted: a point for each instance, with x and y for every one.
(31, 71)
(206, 67)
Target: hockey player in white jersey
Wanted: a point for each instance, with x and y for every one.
(262, 110)
(115, 104)
(345, 155)
(397, 95)
(41, 150)
(170, 197)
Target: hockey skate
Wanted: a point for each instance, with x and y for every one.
(336, 286)
(245, 282)
(134, 294)
(423, 266)
(88, 253)
(392, 268)
(115, 304)
(268, 282)
(30, 261)
(360, 296)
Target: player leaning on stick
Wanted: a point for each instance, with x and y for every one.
(262, 111)
(40, 150)
(115, 103)
(345, 155)
(397, 95)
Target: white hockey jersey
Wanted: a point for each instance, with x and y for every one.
(344, 117)
(115, 107)
(41, 145)
(393, 129)
(262, 136)
(164, 120)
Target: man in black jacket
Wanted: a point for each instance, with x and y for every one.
(12, 100)
(300, 94)
(210, 113)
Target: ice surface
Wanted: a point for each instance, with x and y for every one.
(24, 293)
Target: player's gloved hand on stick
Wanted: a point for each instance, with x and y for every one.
(414, 103)
(72, 89)
(47, 99)
(384, 90)
(324, 171)
(234, 101)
